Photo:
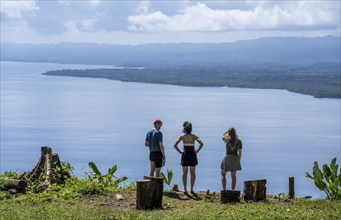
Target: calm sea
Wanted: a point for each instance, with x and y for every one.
(105, 121)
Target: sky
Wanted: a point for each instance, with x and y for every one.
(141, 22)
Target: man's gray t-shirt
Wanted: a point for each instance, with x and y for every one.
(154, 137)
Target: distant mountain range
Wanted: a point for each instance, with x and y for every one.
(275, 49)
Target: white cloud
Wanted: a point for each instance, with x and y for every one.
(17, 9)
(143, 7)
(264, 16)
(80, 25)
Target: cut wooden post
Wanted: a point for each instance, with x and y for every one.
(149, 193)
(143, 194)
(229, 196)
(175, 188)
(255, 190)
(157, 190)
(291, 187)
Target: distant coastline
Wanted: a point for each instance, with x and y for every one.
(302, 65)
(321, 80)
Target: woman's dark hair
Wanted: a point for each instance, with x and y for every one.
(234, 137)
(187, 127)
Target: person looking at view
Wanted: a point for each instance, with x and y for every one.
(157, 154)
(231, 161)
(188, 154)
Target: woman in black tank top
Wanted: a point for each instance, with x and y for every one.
(188, 154)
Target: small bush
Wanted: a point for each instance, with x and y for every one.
(328, 180)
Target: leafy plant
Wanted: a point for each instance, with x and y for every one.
(167, 180)
(282, 195)
(106, 180)
(327, 180)
(62, 173)
(11, 174)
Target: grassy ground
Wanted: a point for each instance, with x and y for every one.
(61, 205)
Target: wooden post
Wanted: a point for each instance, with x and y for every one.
(255, 190)
(143, 195)
(149, 193)
(291, 187)
(229, 196)
(175, 188)
(157, 190)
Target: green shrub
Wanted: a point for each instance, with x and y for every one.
(327, 180)
(167, 180)
(105, 180)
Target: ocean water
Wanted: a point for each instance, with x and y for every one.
(105, 121)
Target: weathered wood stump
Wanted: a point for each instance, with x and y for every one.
(291, 188)
(48, 170)
(15, 186)
(157, 190)
(175, 188)
(143, 195)
(255, 190)
(47, 167)
(229, 196)
(149, 193)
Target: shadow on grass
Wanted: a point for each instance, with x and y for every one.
(181, 196)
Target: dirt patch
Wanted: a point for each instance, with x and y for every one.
(115, 200)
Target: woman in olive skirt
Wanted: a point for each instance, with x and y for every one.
(188, 154)
(231, 161)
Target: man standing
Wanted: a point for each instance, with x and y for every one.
(157, 154)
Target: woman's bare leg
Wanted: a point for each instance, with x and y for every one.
(184, 177)
(193, 176)
(223, 179)
(152, 168)
(234, 179)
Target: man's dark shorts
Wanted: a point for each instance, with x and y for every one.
(156, 157)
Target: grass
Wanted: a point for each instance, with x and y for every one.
(61, 205)
(92, 199)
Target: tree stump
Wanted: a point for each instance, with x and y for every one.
(143, 194)
(46, 169)
(255, 190)
(149, 193)
(229, 196)
(157, 190)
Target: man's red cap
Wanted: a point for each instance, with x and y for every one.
(157, 121)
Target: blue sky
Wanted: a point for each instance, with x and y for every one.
(139, 22)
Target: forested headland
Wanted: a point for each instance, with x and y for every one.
(321, 80)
